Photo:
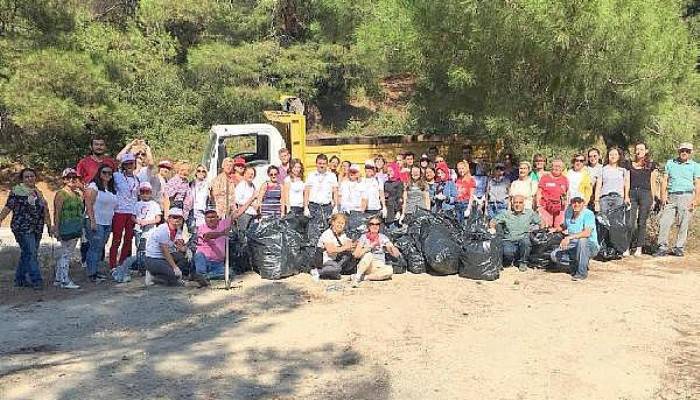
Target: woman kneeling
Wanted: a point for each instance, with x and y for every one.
(371, 250)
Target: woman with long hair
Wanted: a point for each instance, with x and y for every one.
(293, 189)
(465, 191)
(539, 167)
(100, 205)
(643, 175)
(415, 193)
(30, 212)
(612, 189)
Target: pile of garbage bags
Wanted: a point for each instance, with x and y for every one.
(429, 243)
(613, 233)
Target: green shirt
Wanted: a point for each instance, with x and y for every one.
(682, 176)
(517, 226)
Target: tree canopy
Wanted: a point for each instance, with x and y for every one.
(556, 72)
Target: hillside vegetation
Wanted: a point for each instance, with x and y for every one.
(533, 72)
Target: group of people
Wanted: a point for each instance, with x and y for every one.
(132, 197)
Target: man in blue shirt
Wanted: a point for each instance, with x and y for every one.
(581, 241)
(680, 193)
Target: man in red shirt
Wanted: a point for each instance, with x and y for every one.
(87, 167)
(551, 195)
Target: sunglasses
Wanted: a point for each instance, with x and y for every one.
(685, 151)
(579, 160)
(201, 170)
(374, 224)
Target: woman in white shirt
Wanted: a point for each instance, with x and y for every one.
(351, 193)
(124, 221)
(524, 186)
(100, 204)
(293, 189)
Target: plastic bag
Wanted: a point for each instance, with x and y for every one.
(415, 262)
(613, 233)
(480, 258)
(543, 244)
(276, 249)
(440, 248)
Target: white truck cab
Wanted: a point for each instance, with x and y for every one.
(258, 144)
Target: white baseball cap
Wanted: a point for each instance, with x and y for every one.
(176, 212)
(685, 145)
(145, 186)
(128, 157)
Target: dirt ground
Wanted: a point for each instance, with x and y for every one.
(631, 331)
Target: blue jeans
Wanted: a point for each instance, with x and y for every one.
(495, 207)
(516, 251)
(579, 253)
(208, 268)
(97, 240)
(28, 272)
(460, 208)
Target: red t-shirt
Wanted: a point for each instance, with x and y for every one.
(87, 167)
(465, 186)
(553, 188)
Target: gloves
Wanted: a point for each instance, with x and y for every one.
(440, 196)
(307, 213)
(335, 209)
(384, 213)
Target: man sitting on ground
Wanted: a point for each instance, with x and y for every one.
(581, 241)
(211, 245)
(165, 252)
(371, 250)
(517, 223)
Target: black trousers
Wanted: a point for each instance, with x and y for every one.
(641, 200)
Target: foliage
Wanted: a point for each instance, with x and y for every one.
(574, 70)
(534, 73)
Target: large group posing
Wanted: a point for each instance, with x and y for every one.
(146, 206)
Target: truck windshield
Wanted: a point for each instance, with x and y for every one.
(255, 149)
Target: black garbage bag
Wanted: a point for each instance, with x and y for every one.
(415, 262)
(440, 248)
(398, 264)
(356, 225)
(543, 244)
(480, 258)
(276, 249)
(297, 222)
(613, 233)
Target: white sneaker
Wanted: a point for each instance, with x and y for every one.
(83, 264)
(70, 285)
(148, 280)
(58, 283)
(315, 275)
(626, 253)
(354, 280)
(638, 252)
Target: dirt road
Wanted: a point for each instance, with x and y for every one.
(632, 331)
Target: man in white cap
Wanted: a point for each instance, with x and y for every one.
(165, 252)
(680, 194)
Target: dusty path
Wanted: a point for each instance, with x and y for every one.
(632, 331)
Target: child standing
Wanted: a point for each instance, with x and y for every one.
(68, 228)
